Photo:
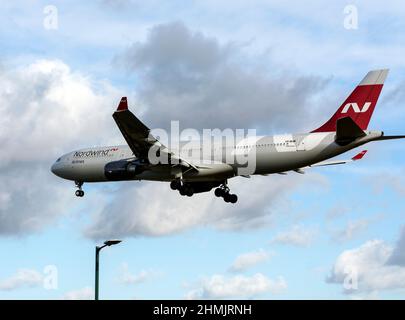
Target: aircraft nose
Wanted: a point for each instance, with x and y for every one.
(56, 169)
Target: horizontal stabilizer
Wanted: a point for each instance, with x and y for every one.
(358, 156)
(390, 137)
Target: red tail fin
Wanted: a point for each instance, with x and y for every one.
(361, 102)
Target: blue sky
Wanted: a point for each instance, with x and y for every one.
(291, 236)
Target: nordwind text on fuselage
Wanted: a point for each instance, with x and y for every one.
(94, 153)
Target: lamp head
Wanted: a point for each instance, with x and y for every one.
(111, 242)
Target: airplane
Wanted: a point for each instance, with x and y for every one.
(345, 130)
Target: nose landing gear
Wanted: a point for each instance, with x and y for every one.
(80, 192)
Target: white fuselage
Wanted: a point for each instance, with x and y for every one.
(265, 154)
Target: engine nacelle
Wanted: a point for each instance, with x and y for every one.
(122, 170)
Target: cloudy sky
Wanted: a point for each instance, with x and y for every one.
(276, 66)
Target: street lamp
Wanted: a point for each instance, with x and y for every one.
(98, 249)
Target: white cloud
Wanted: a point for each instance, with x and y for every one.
(366, 269)
(185, 72)
(86, 293)
(248, 260)
(296, 236)
(351, 230)
(126, 277)
(50, 108)
(393, 181)
(220, 287)
(153, 209)
(398, 255)
(46, 109)
(22, 278)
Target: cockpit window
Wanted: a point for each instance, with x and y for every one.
(59, 159)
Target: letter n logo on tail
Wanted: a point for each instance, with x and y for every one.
(356, 107)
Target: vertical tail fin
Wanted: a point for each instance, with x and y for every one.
(361, 102)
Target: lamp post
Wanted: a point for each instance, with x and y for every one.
(98, 249)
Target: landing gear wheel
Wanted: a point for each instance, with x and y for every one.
(233, 198)
(224, 192)
(219, 192)
(227, 197)
(79, 193)
(175, 185)
(189, 191)
(186, 190)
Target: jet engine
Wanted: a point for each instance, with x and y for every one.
(122, 170)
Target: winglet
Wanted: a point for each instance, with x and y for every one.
(123, 104)
(359, 155)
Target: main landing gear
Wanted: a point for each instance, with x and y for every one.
(188, 189)
(224, 192)
(184, 189)
(79, 192)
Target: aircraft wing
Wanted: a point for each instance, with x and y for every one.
(329, 163)
(138, 136)
(134, 131)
